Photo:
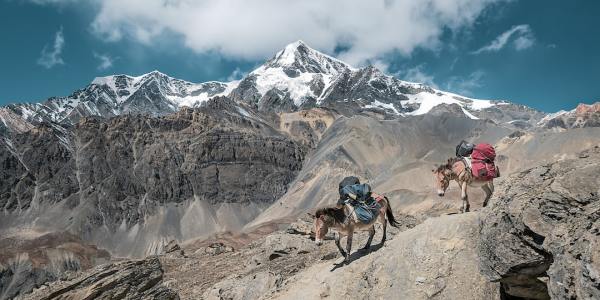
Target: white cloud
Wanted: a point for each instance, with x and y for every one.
(106, 61)
(51, 55)
(523, 42)
(465, 86)
(237, 74)
(381, 65)
(524, 39)
(256, 29)
(417, 74)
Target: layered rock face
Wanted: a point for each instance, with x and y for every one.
(176, 174)
(541, 236)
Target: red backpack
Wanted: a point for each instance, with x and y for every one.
(482, 161)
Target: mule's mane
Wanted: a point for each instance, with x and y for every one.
(336, 213)
(451, 161)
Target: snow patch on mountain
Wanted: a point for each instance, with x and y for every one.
(198, 94)
(480, 104)
(554, 115)
(298, 87)
(386, 106)
(122, 85)
(427, 101)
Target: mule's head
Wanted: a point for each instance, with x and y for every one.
(441, 179)
(322, 224)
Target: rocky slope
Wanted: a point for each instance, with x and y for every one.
(394, 156)
(537, 240)
(434, 260)
(541, 237)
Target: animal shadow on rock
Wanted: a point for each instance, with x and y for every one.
(356, 255)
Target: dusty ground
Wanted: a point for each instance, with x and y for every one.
(204, 272)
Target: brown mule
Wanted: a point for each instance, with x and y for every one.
(455, 169)
(342, 220)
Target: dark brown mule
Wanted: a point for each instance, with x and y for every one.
(345, 224)
(455, 169)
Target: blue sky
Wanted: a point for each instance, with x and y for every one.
(545, 54)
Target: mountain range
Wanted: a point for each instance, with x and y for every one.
(298, 77)
(126, 164)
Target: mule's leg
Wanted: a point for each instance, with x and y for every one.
(349, 244)
(489, 190)
(488, 194)
(371, 234)
(337, 243)
(465, 198)
(486, 190)
(384, 225)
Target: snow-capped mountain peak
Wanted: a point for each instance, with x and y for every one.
(301, 58)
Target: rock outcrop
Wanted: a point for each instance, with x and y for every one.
(138, 279)
(540, 238)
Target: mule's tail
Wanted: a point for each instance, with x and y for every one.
(390, 215)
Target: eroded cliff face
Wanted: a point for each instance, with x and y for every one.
(541, 236)
(134, 182)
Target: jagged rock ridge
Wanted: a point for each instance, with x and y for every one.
(581, 117)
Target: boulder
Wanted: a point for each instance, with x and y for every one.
(540, 237)
(173, 249)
